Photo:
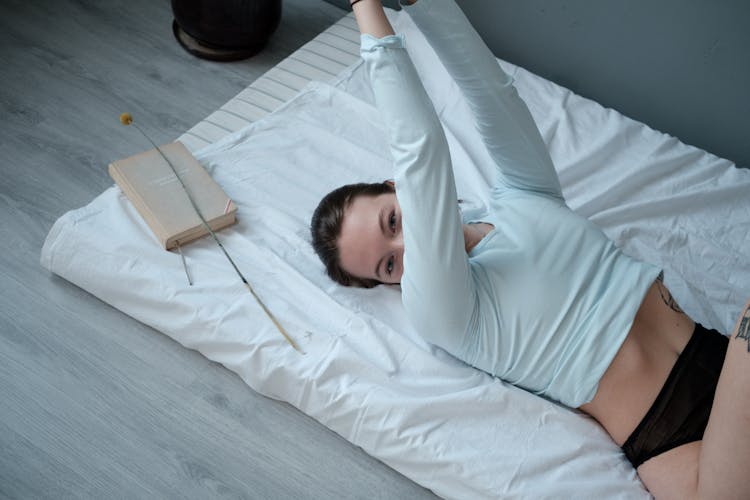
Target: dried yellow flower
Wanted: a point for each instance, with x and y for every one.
(126, 119)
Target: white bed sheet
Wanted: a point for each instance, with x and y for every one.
(365, 373)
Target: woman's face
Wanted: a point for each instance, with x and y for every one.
(371, 244)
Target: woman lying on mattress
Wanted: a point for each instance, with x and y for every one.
(532, 292)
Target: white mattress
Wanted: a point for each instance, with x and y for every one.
(365, 373)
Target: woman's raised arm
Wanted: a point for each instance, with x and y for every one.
(437, 287)
(502, 118)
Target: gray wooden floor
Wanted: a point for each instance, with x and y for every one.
(92, 403)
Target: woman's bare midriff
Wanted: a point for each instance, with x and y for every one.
(630, 385)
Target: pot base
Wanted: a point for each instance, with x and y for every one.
(204, 50)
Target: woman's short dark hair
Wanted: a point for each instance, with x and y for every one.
(326, 228)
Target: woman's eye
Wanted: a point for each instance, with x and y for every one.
(392, 221)
(389, 266)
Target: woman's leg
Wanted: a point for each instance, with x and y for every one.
(673, 474)
(725, 454)
(717, 466)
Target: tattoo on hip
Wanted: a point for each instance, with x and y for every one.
(666, 296)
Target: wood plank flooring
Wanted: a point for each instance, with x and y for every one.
(94, 404)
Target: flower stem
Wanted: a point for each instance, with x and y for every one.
(216, 239)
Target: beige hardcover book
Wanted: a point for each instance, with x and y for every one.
(150, 184)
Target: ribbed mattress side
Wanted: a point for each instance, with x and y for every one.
(322, 58)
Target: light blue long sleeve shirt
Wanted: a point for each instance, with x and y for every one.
(545, 300)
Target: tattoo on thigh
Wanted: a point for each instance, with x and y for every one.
(666, 296)
(743, 332)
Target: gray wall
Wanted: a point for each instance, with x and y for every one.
(680, 66)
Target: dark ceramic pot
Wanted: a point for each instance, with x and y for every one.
(225, 30)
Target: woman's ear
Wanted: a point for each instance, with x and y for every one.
(390, 182)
